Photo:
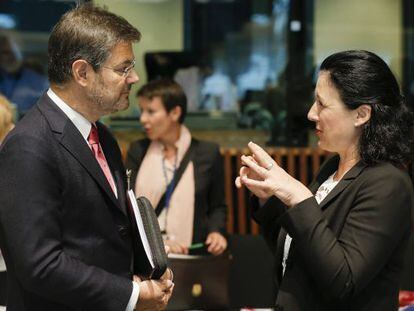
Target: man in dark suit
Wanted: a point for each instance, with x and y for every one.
(63, 222)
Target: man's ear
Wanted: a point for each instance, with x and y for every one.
(176, 113)
(363, 114)
(81, 71)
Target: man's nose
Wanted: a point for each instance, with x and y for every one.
(132, 77)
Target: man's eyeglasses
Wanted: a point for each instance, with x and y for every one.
(124, 72)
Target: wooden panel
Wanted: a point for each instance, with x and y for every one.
(316, 162)
(291, 162)
(303, 166)
(277, 156)
(228, 189)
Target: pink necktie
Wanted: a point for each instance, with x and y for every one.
(93, 140)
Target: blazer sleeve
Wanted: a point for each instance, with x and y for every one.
(267, 217)
(376, 224)
(217, 209)
(31, 232)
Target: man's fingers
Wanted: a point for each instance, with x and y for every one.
(137, 279)
(167, 285)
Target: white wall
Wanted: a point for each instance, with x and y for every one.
(160, 23)
(374, 25)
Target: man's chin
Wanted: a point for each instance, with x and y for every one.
(121, 106)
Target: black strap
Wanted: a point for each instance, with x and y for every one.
(183, 165)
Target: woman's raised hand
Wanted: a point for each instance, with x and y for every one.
(264, 178)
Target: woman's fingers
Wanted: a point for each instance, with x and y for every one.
(258, 184)
(261, 156)
(243, 171)
(238, 182)
(260, 171)
(255, 167)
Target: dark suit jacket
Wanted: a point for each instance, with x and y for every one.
(210, 208)
(64, 233)
(347, 253)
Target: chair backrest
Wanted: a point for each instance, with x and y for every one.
(252, 282)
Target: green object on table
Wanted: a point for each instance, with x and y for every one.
(196, 245)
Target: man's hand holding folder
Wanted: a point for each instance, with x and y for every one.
(154, 293)
(154, 278)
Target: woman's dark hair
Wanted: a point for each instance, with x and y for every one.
(86, 32)
(170, 92)
(361, 77)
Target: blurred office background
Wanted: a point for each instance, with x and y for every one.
(246, 65)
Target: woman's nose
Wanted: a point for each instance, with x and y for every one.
(313, 114)
(143, 117)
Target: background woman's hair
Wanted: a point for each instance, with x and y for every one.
(361, 77)
(170, 92)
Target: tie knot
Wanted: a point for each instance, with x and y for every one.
(93, 137)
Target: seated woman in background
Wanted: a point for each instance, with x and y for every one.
(190, 207)
(340, 243)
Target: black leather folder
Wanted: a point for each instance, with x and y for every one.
(150, 259)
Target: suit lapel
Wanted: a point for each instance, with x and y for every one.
(279, 252)
(343, 183)
(71, 139)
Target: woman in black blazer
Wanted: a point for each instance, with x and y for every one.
(340, 243)
(192, 211)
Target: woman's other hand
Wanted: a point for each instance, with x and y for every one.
(216, 243)
(264, 178)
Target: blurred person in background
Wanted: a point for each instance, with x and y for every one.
(191, 208)
(6, 125)
(20, 84)
(6, 117)
(340, 243)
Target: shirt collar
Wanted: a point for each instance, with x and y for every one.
(81, 123)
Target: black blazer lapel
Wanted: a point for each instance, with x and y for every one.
(343, 183)
(280, 248)
(71, 139)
